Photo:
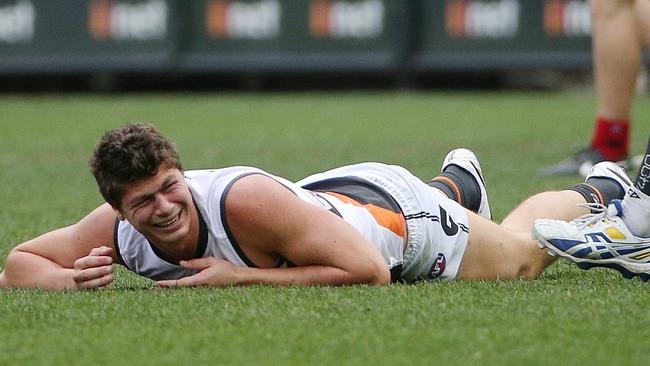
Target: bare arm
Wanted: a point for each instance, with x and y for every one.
(270, 221)
(219, 273)
(76, 256)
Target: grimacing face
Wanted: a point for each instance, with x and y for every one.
(159, 207)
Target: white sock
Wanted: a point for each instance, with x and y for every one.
(636, 212)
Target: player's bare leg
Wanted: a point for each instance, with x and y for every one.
(508, 250)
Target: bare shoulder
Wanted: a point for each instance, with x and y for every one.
(264, 214)
(254, 191)
(259, 199)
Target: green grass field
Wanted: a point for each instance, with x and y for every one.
(568, 316)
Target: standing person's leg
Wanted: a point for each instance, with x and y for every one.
(635, 207)
(642, 11)
(616, 53)
(617, 59)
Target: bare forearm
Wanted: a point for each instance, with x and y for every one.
(220, 273)
(304, 275)
(26, 270)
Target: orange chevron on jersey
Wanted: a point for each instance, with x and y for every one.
(393, 221)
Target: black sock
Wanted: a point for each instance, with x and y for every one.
(642, 181)
(599, 190)
(448, 187)
(459, 185)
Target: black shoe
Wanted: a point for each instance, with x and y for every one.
(578, 164)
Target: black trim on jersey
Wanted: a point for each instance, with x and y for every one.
(203, 235)
(224, 221)
(116, 245)
(162, 255)
(201, 244)
(396, 273)
(357, 189)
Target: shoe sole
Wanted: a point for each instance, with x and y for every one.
(626, 269)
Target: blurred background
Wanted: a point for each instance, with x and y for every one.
(124, 45)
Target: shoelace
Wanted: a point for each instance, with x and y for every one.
(598, 213)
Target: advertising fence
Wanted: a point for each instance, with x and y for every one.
(462, 34)
(189, 36)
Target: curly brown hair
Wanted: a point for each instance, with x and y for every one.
(130, 153)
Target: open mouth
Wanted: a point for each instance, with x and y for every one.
(169, 223)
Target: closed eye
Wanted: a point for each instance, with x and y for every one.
(170, 187)
(138, 204)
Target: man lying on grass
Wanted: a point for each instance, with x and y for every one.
(367, 223)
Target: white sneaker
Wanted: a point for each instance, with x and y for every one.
(611, 170)
(596, 240)
(468, 161)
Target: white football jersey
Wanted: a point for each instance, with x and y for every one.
(364, 205)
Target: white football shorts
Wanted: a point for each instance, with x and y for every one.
(437, 227)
